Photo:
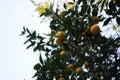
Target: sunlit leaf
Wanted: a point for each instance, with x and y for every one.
(47, 5)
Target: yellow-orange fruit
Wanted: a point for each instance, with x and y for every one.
(83, 34)
(61, 35)
(95, 29)
(63, 53)
(59, 42)
(95, 19)
(86, 48)
(98, 75)
(70, 67)
(86, 64)
(61, 78)
(79, 70)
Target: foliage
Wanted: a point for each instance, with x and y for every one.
(86, 55)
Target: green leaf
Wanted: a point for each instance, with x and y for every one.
(95, 12)
(65, 6)
(112, 6)
(40, 59)
(109, 12)
(24, 31)
(48, 12)
(118, 20)
(92, 1)
(117, 3)
(118, 12)
(102, 6)
(28, 31)
(37, 66)
(36, 74)
(79, 1)
(28, 40)
(29, 46)
(32, 44)
(107, 21)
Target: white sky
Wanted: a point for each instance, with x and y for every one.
(16, 63)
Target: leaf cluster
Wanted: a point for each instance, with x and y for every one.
(113, 10)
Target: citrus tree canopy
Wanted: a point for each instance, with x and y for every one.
(76, 49)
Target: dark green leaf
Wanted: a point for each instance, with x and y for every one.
(112, 6)
(118, 3)
(79, 1)
(65, 6)
(29, 46)
(28, 31)
(118, 20)
(48, 12)
(28, 40)
(36, 74)
(109, 12)
(24, 31)
(33, 35)
(118, 12)
(95, 12)
(40, 59)
(35, 49)
(37, 66)
(92, 1)
(102, 6)
(24, 28)
(107, 21)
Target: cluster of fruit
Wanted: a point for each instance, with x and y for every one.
(94, 29)
(77, 70)
(60, 37)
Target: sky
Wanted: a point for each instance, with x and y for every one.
(16, 63)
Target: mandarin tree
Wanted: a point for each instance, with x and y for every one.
(77, 49)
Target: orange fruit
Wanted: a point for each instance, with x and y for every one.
(61, 35)
(86, 48)
(70, 67)
(83, 34)
(78, 70)
(95, 29)
(86, 64)
(59, 42)
(95, 19)
(63, 53)
(98, 75)
(61, 78)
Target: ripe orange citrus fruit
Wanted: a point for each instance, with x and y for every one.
(61, 78)
(98, 75)
(63, 53)
(70, 67)
(86, 64)
(61, 35)
(95, 29)
(59, 42)
(86, 48)
(78, 70)
(95, 19)
(83, 34)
